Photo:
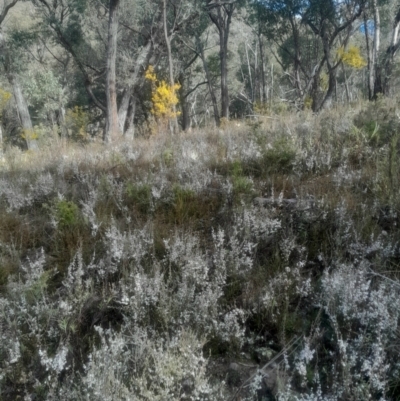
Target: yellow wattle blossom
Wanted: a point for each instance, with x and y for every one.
(163, 97)
(150, 74)
(351, 57)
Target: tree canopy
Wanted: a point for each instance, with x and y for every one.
(218, 59)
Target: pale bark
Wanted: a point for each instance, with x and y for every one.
(22, 106)
(141, 61)
(346, 83)
(222, 19)
(112, 127)
(385, 67)
(130, 129)
(377, 34)
(1, 143)
(264, 96)
(296, 56)
(371, 68)
(224, 71)
(6, 8)
(374, 52)
(250, 73)
(61, 122)
(174, 120)
(23, 112)
(209, 82)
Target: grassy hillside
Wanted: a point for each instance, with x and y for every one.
(260, 261)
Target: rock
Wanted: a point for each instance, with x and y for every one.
(234, 366)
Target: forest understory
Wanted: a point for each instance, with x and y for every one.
(255, 261)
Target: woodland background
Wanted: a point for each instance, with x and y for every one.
(77, 69)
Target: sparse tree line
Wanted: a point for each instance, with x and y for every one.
(110, 67)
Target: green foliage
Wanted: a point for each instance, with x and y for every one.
(67, 214)
(139, 196)
(19, 42)
(280, 157)
(184, 203)
(168, 157)
(38, 288)
(241, 183)
(73, 30)
(44, 92)
(77, 120)
(379, 121)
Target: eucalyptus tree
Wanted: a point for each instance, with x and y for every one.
(381, 68)
(257, 20)
(193, 43)
(67, 23)
(280, 22)
(112, 126)
(294, 46)
(332, 21)
(373, 46)
(11, 63)
(70, 24)
(161, 30)
(221, 13)
(176, 17)
(308, 33)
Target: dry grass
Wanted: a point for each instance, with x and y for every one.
(158, 237)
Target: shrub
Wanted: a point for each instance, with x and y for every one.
(139, 196)
(67, 214)
(380, 121)
(77, 120)
(278, 158)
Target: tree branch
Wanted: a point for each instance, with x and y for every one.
(6, 9)
(193, 89)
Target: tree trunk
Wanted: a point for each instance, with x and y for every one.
(130, 126)
(224, 73)
(22, 106)
(209, 83)
(297, 57)
(61, 122)
(1, 143)
(346, 83)
(222, 20)
(264, 96)
(373, 53)
(174, 119)
(184, 104)
(23, 112)
(112, 127)
(123, 108)
(142, 60)
(371, 67)
(252, 85)
(385, 67)
(377, 41)
(328, 99)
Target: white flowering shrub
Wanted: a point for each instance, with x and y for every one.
(253, 262)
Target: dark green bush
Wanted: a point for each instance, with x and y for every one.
(67, 213)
